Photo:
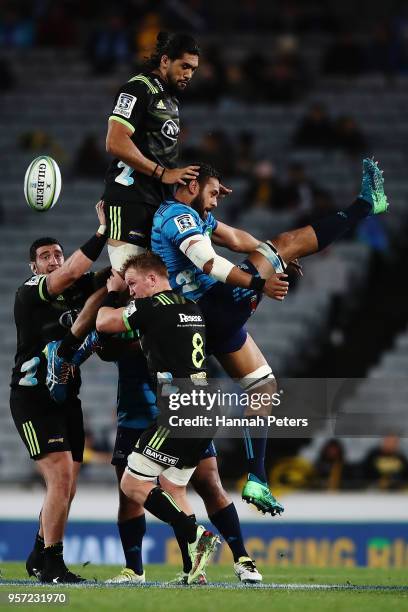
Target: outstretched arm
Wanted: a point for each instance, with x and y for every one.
(81, 260)
(200, 251)
(234, 239)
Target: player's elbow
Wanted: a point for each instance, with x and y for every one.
(102, 321)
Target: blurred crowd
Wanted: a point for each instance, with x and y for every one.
(110, 36)
(384, 466)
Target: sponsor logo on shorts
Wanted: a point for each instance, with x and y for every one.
(189, 318)
(170, 130)
(124, 105)
(159, 457)
(134, 234)
(55, 440)
(184, 222)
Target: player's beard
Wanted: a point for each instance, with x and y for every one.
(198, 206)
(172, 86)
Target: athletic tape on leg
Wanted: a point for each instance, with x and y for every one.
(268, 250)
(257, 378)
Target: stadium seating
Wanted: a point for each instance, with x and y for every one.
(75, 105)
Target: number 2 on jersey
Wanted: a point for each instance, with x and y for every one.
(198, 350)
(124, 177)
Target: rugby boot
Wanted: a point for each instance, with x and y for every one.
(372, 187)
(200, 551)
(257, 493)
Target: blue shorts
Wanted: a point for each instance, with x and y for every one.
(226, 309)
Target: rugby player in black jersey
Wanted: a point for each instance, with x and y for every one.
(172, 336)
(45, 306)
(142, 136)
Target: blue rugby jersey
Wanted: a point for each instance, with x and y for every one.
(173, 222)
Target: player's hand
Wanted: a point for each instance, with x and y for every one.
(296, 266)
(100, 211)
(276, 288)
(180, 175)
(116, 282)
(224, 191)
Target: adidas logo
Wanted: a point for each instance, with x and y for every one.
(161, 105)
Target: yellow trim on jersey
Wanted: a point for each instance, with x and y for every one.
(123, 121)
(40, 288)
(126, 322)
(145, 80)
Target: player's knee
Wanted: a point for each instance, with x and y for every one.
(259, 384)
(258, 378)
(128, 508)
(58, 472)
(284, 244)
(210, 489)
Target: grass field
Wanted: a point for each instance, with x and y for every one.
(228, 596)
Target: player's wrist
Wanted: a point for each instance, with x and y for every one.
(257, 284)
(158, 172)
(94, 246)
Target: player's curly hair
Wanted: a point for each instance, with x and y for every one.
(172, 45)
(206, 171)
(146, 262)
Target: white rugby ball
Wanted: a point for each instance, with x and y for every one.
(42, 183)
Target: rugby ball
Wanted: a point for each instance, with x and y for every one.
(42, 183)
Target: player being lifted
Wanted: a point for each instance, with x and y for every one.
(172, 334)
(182, 232)
(142, 135)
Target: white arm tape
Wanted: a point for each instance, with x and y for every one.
(201, 252)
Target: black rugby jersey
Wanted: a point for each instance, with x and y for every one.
(172, 335)
(40, 318)
(147, 107)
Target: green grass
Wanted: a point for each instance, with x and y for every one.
(200, 599)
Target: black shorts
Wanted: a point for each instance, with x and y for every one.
(130, 222)
(46, 427)
(126, 438)
(157, 444)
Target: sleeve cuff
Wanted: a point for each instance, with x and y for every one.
(122, 121)
(42, 289)
(126, 322)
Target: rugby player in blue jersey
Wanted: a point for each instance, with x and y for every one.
(182, 234)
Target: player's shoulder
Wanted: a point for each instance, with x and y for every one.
(184, 217)
(33, 280)
(143, 82)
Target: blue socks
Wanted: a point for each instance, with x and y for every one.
(255, 449)
(227, 523)
(131, 534)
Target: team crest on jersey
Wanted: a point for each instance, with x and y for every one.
(124, 105)
(185, 222)
(170, 129)
(130, 309)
